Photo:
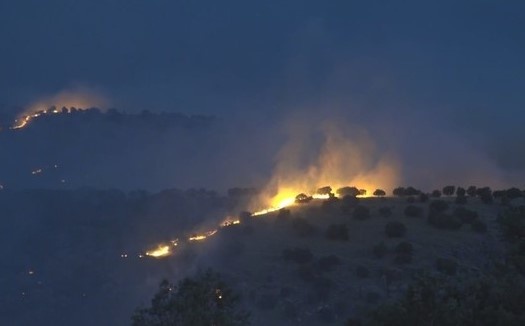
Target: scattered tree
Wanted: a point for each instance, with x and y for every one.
(449, 190)
(395, 229)
(379, 193)
(348, 191)
(436, 193)
(202, 300)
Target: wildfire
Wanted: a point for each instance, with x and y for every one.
(161, 251)
(26, 119)
(200, 237)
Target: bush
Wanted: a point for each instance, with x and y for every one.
(461, 200)
(413, 211)
(202, 300)
(301, 227)
(423, 198)
(444, 221)
(337, 232)
(380, 250)
(513, 193)
(362, 271)
(328, 263)
(385, 211)
(512, 222)
(438, 206)
(395, 229)
(485, 194)
(298, 255)
(436, 193)
(403, 258)
(447, 266)
(361, 212)
(465, 215)
(284, 214)
(479, 226)
(404, 248)
(411, 200)
(460, 192)
(348, 203)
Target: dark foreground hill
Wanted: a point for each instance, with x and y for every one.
(74, 257)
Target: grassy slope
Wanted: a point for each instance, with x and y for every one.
(277, 294)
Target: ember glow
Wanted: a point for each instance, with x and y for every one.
(161, 251)
(204, 236)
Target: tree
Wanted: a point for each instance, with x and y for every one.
(399, 192)
(348, 191)
(471, 191)
(202, 300)
(303, 198)
(379, 193)
(436, 193)
(449, 190)
(327, 190)
(461, 192)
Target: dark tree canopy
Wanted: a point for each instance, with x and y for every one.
(324, 190)
(399, 191)
(202, 300)
(449, 190)
(379, 193)
(348, 191)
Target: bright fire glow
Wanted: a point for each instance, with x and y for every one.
(200, 237)
(161, 251)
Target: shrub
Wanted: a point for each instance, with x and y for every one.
(337, 232)
(298, 255)
(380, 250)
(411, 200)
(444, 221)
(348, 203)
(438, 206)
(404, 248)
(395, 229)
(362, 271)
(466, 215)
(379, 193)
(413, 211)
(403, 258)
(436, 193)
(460, 192)
(302, 227)
(461, 200)
(361, 212)
(328, 263)
(449, 190)
(479, 226)
(485, 194)
(411, 191)
(423, 198)
(447, 266)
(512, 222)
(284, 214)
(385, 211)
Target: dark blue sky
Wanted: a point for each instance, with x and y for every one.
(455, 57)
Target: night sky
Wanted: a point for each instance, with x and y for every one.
(458, 63)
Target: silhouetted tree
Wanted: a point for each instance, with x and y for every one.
(472, 191)
(411, 191)
(449, 190)
(347, 191)
(399, 192)
(303, 198)
(513, 193)
(460, 192)
(436, 193)
(423, 198)
(348, 203)
(202, 300)
(379, 193)
(324, 190)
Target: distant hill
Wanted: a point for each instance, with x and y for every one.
(69, 147)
